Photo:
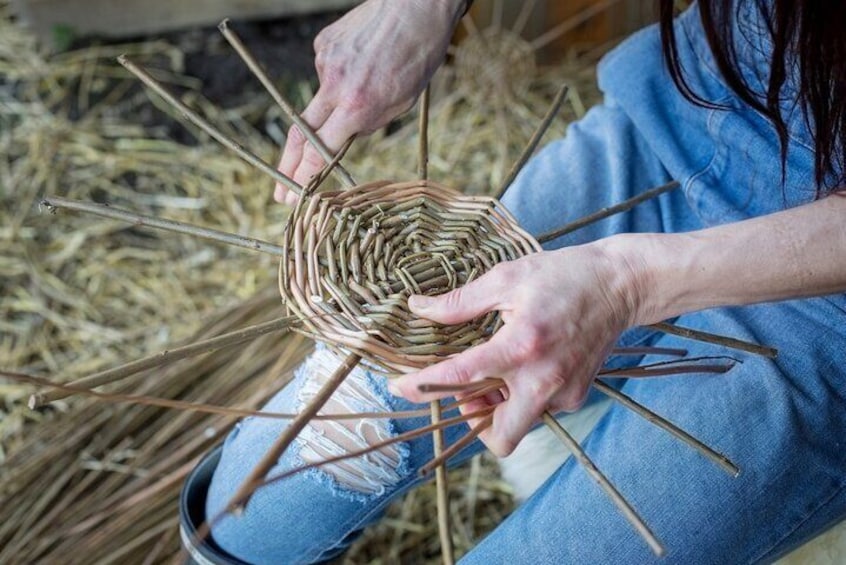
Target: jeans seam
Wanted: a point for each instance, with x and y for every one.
(763, 554)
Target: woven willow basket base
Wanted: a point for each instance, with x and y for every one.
(354, 257)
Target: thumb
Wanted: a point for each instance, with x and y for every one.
(334, 132)
(459, 305)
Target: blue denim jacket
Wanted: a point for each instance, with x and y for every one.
(728, 160)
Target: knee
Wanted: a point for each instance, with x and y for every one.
(314, 513)
(381, 464)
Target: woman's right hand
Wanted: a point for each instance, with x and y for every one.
(372, 64)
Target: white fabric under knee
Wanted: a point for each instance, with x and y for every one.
(321, 439)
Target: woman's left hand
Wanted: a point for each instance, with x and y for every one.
(562, 312)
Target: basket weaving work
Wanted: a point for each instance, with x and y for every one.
(354, 256)
(349, 260)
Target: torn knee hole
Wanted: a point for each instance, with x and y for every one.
(322, 439)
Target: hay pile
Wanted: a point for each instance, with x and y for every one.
(78, 294)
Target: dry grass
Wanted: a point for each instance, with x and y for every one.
(99, 482)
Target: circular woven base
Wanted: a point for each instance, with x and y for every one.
(353, 258)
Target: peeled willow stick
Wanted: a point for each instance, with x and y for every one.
(533, 142)
(488, 384)
(676, 369)
(168, 356)
(318, 179)
(403, 437)
(204, 125)
(572, 23)
(458, 445)
(653, 418)
(423, 129)
(205, 528)
(271, 457)
(106, 211)
(649, 351)
(523, 17)
(202, 407)
(442, 489)
(706, 337)
(619, 501)
(607, 212)
(257, 69)
(441, 484)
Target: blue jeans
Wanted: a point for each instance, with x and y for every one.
(779, 419)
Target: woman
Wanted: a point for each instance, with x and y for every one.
(743, 102)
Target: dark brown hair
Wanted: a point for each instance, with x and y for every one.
(807, 33)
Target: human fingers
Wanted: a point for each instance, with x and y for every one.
(477, 363)
(315, 114)
(466, 302)
(334, 132)
(476, 404)
(529, 395)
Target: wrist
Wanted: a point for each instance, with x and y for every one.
(652, 273)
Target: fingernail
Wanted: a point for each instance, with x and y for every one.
(393, 387)
(278, 194)
(419, 302)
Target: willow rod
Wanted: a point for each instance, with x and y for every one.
(523, 17)
(607, 212)
(533, 142)
(403, 437)
(271, 457)
(681, 369)
(423, 128)
(649, 351)
(613, 393)
(441, 480)
(309, 133)
(204, 125)
(442, 489)
(205, 408)
(571, 23)
(730, 342)
(205, 528)
(106, 211)
(593, 471)
(318, 179)
(453, 449)
(724, 462)
(125, 371)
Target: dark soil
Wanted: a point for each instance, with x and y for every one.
(284, 47)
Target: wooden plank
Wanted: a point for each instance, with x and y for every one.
(614, 22)
(125, 18)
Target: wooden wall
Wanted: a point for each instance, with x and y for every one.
(607, 19)
(121, 18)
(590, 23)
